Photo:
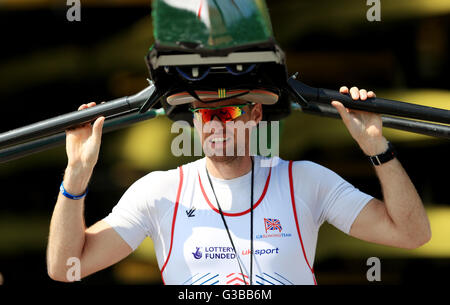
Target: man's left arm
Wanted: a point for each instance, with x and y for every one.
(400, 220)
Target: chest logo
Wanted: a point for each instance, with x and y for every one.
(272, 224)
(273, 229)
(197, 254)
(214, 253)
(190, 213)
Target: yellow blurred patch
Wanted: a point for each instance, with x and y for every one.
(147, 145)
(439, 245)
(333, 242)
(424, 97)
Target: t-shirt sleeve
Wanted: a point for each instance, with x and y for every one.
(329, 197)
(130, 217)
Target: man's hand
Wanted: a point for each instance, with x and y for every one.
(82, 147)
(400, 220)
(100, 245)
(365, 127)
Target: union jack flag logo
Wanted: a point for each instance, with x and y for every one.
(272, 224)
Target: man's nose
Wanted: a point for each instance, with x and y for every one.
(216, 119)
(216, 123)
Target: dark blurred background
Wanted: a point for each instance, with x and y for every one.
(49, 66)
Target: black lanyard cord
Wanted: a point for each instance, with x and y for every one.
(251, 228)
(228, 231)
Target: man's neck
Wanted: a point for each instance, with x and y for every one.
(229, 169)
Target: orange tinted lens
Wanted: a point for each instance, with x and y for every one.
(225, 114)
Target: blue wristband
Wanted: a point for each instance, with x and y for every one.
(70, 196)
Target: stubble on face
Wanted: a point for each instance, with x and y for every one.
(236, 133)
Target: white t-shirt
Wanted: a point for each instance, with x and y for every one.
(178, 210)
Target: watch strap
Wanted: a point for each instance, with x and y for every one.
(388, 155)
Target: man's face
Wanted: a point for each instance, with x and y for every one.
(226, 141)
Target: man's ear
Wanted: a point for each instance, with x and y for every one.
(256, 113)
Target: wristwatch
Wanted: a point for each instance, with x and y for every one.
(388, 155)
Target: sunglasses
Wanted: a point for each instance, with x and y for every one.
(224, 113)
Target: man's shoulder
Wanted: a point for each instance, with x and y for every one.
(167, 177)
(298, 166)
(306, 168)
(307, 165)
(308, 173)
(303, 165)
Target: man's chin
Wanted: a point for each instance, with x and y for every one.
(224, 154)
(222, 159)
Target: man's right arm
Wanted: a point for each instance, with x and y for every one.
(98, 246)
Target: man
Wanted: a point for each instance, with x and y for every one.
(200, 218)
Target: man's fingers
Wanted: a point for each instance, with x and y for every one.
(357, 94)
(343, 90)
(342, 110)
(84, 106)
(363, 94)
(98, 125)
(354, 92)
